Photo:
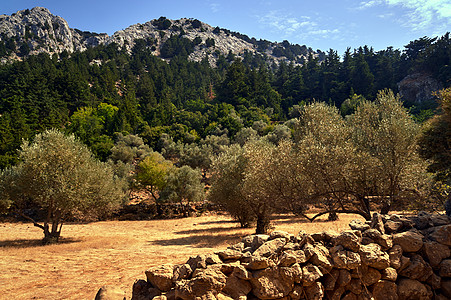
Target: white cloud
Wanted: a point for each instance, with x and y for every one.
(215, 7)
(419, 14)
(288, 26)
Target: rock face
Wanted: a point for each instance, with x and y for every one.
(363, 263)
(418, 87)
(36, 30)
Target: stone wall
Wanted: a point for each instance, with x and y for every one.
(390, 257)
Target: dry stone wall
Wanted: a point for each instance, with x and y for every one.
(389, 257)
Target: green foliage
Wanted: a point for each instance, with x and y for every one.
(59, 174)
(152, 173)
(183, 185)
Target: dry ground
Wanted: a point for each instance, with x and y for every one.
(116, 252)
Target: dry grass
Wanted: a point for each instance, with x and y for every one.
(116, 253)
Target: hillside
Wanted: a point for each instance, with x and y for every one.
(37, 30)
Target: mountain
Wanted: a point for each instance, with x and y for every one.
(34, 31)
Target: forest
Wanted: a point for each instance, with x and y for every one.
(137, 111)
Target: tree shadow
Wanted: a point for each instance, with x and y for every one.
(200, 241)
(208, 230)
(218, 222)
(28, 243)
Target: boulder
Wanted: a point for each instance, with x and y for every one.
(271, 283)
(258, 263)
(330, 279)
(196, 262)
(442, 235)
(109, 292)
(270, 247)
(344, 259)
(445, 268)
(303, 238)
(370, 276)
(320, 256)
(385, 290)
(435, 252)
(315, 291)
(297, 293)
(412, 289)
(290, 257)
(372, 255)
(209, 281)
(229, 254)
(310, 273)
(236, 287)
(355, 286)
(395, 254)
(417, 269)
(409, 241)
(161, 276)
(383, 240)
(445, 286)
(181, 272)
(213, 259)
(423, 220)
(389, 274)
(392, 226)
(360, 225)
(350, 240)
(377, 223)
(344, 278)
(280, 234)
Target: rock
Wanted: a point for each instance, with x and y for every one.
(303, 238)
(344, 259)
(359, 225)
(440, 220)
(310, 273)
(350, 296)
(395, 254)
(372, 255)
(383, 240)
(161, 276)
(392, 226)
(435, 252)
(270, 247)
(409, 241)
(355, 286)
(385, 290)
(108, 292)
(411, 289)
(442, 235)
(236, 287)
(445, 285)
(344, 278)
(196, 262)
(258, 263)
(297, 293)
(423, 220)
(330, 279)
(258, 240)
(377, 223)
(213, 259)
(445, 268)
(290, 257)
(370, 276)
(280, 234)
(434, 281)
(315, 291)
(229, 254)
(181, 272)
(349, 240)
(417, 269)
(209, 281)
(271, 283)
(238, 247)
(320, 256)
(418, 87)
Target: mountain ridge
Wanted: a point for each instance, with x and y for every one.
(37, 30)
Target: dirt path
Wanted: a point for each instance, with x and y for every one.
(114, 252)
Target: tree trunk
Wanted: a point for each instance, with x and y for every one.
(52, 237)
(263, 224)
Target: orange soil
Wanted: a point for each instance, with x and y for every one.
(116, 252)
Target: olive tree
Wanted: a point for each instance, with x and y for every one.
(58, 174)
(152, 173)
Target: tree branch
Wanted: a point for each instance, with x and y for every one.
(30, 219)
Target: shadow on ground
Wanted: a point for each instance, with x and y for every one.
(27, 243)
(201, 241)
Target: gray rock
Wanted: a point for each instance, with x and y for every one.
(409, 241)
(360, 225)
(372, 255)
(271, 247)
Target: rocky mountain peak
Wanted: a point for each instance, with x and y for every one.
(34, 31)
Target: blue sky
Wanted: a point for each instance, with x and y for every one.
(320, 24)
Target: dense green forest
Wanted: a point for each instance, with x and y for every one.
(104, 91)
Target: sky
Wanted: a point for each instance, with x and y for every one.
(319, 24)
